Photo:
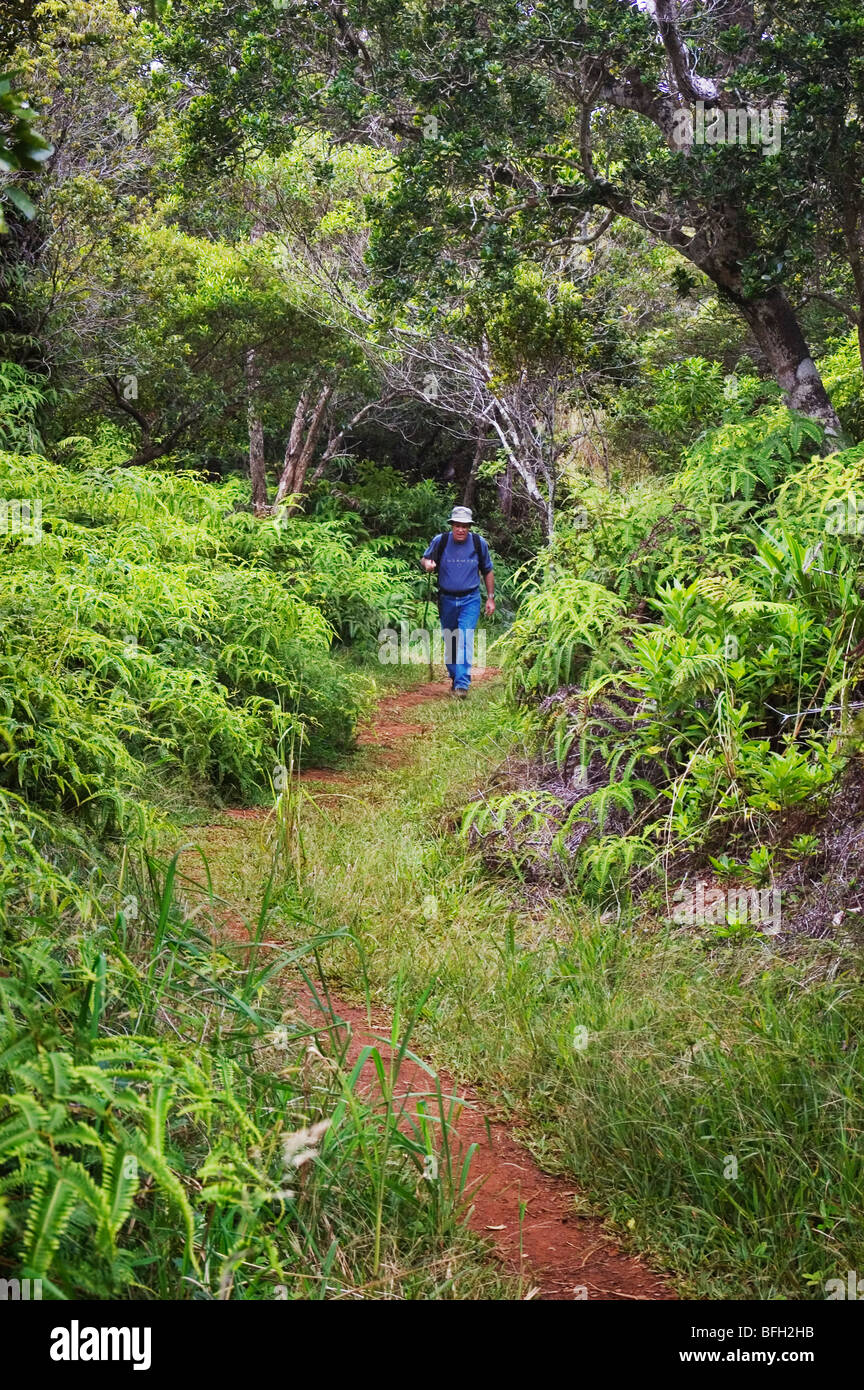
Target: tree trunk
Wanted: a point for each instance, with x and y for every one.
(301, 445)
(770, 317)
(257, 466)
(147, 452)
(471, 480)
(549, 516)
(149, 449)
(853, 231)
(773, 324)
(504, 483)
(292, 449)
(311, 439)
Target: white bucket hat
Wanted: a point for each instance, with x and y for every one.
(463, 515)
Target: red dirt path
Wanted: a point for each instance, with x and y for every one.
(558, 1253)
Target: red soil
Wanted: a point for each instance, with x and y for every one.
(558, 1253)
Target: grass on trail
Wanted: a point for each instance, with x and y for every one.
(709, 1100)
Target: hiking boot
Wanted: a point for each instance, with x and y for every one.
(461, 694)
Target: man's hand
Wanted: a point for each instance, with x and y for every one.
(490, 606)
(428, 565)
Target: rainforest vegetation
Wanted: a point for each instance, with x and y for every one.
(280, 283)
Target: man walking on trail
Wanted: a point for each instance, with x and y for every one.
(460, 558)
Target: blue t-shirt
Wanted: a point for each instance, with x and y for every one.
(458, 569)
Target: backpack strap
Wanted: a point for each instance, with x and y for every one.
(440, 548)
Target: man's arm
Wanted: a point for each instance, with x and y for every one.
(489, 577)
(490, 593)
(426, 562)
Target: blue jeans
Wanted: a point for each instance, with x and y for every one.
(459, 617)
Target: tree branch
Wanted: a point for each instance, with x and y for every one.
(689, 84)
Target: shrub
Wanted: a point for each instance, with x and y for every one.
(705, 633)
(136, 638)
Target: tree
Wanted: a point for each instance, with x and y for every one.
(512, 373)
(181, 336)
(495, 366)
(309, 208)
(816, 58)
(81, 67)
(508, 123)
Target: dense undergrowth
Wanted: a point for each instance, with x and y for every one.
(170, 1130)
(167, 1128)
(694, 656)
(155, 634)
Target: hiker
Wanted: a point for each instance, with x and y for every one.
(460, 558)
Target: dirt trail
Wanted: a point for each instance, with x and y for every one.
(390, 724)
(528, 1214)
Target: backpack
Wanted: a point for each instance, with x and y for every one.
(438, 553)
